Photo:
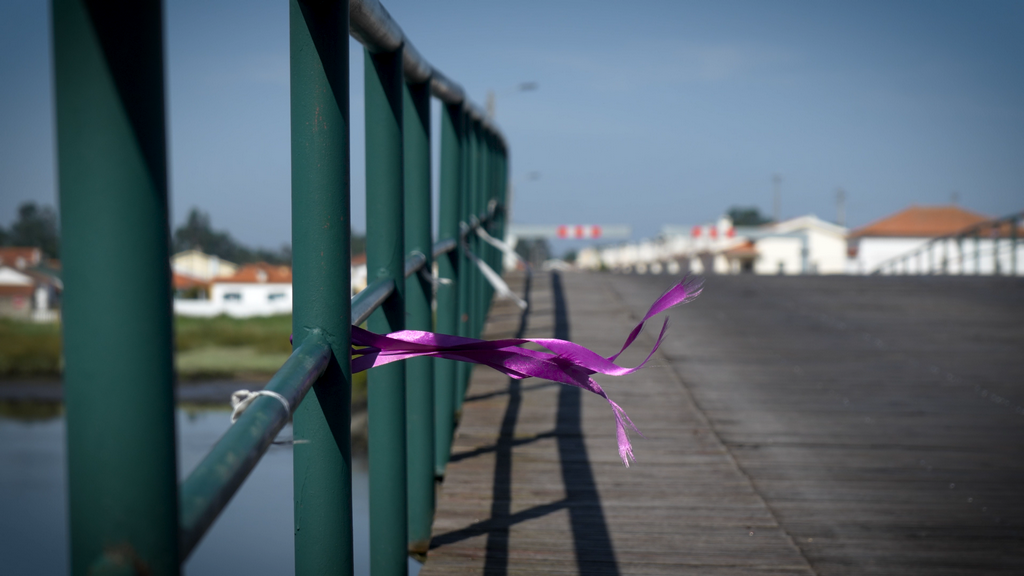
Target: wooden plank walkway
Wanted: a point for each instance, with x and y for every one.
(794, 426)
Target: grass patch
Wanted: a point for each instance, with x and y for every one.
(227, 362)
(28, 349)
(267, 335)
(220, 347)
(225, 347)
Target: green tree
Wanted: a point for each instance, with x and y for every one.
(198, 234)
(747, 216)
(36, 226)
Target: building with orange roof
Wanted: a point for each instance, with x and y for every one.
(910, 229)
(198, 264)
(921, 222)
(30, 286)
(259, 289)
(20, 257)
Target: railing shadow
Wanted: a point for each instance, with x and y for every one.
(592, 542)
(591, 539)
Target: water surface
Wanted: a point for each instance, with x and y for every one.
(252, 536)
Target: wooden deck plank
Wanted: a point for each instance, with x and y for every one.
(794, 426)
(880, 418)
(683, 508)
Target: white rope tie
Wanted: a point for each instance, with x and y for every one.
(240, 400)
(493, 277)
(500, 245)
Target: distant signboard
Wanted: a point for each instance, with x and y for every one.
(573, 231)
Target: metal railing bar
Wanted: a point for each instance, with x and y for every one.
(444, 246)
(210, 487)
(371, 298)
(372, 25)
(413, 263)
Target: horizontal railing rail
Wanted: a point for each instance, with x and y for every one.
(1000, 236)
(128, 512)
(373, 26)
(210, 486)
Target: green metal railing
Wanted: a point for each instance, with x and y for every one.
(128, 514)
(989, 248)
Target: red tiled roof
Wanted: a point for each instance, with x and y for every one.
(744, 250)
(260, 273)
(8, 291)
(29, 256)
(185, 282)
(922, 222)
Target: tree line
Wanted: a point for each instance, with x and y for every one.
(37, 226)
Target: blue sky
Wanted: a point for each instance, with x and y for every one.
(647, 113)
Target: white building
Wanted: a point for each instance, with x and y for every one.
(803, 245)
(907, 230)
(255, 290)
(202, 266)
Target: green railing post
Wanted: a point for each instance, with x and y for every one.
(467, 271)
(479, 209)
(118, 342)
(496, 196)
(502, 197)
(321, 279)
(473, 205)
(385, 258)
(448, 268)
(419, 406)
(487, 249)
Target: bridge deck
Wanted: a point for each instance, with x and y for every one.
(794, 426)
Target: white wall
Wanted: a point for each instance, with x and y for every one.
(968, 256)
(827, 253)
(776, 251)
(873, 251)
(240, 300)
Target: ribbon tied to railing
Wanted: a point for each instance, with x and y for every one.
(565, 362)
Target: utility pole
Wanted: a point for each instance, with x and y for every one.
(492, 97)
(841, 207)
(777, 207)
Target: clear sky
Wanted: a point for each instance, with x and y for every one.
(647, 113)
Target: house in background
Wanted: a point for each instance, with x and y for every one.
(20, 258)
(30, 286)
(803, 245)
(201, 266)
(903, 232)
(189, 287)
(254, 290)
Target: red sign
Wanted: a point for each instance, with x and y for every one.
(595, 231)
(563, 231)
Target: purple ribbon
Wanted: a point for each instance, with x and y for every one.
(566, 363)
